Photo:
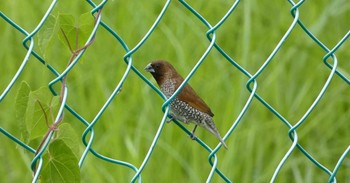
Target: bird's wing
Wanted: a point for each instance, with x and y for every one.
(189, 96)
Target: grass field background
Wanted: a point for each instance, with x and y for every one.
(290, 84)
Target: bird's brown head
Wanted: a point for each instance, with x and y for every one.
(161, 70)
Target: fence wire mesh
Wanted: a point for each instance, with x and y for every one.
(59, 87)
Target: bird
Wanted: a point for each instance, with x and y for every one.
(187, 106)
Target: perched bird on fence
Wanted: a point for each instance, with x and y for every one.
(187, 106)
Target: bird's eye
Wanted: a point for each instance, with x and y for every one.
(157, 66)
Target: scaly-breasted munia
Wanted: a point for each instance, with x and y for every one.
(187, 106)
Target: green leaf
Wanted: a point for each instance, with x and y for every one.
(85, 27)
(67, 31)
(21, 107)
(66, 22)
(54, 103)
(60, 164)
(70, 138)
(47, 35)
(38, 113)
(75, 32)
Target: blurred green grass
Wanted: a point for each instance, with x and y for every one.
(290, 84)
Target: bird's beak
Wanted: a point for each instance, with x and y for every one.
(149, 68)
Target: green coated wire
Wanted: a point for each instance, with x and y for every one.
(279, 45)
(188, 77)
(48, 139)
(331, 52)
(68, 108)
(37, 174)
(292, 133)
(321, 45)
(152, 146)
(340, 161)
(30, 48)
(126, 164)
(93, 151)
(323, 90)
(316, 100)
(24, 62)
(53, 91)
(8, 20)
(76, 59)
(212, 155)
(126, 59)
(211, 32)
(19, 142)
(60, 112)
(94, 121)
(19, 71)
(129, 62)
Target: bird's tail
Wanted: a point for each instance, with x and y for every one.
(210, 126)
(220, 139)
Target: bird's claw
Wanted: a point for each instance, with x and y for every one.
(170, 119)
(193, 137)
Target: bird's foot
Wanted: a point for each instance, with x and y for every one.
(192, 136)
(170, 119)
